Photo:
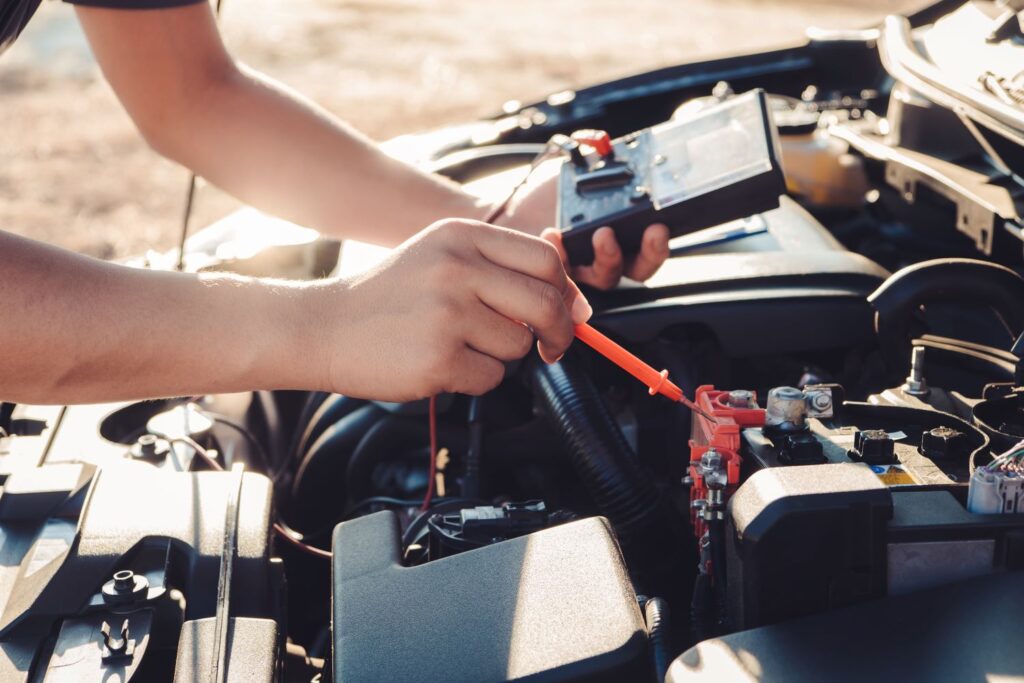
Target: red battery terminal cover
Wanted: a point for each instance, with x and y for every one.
(599, 140)
(722, 434)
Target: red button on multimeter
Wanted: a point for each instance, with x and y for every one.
(598, 139)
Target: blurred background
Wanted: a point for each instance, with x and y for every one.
(74, 172)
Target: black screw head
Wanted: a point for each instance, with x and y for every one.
(124, 587)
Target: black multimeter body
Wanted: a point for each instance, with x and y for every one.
(719, 165)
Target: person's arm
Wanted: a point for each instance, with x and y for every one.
(78, 330)
(266, 145)
(279, 152)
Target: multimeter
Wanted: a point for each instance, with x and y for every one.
(718, 165)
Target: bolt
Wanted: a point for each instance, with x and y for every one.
(740, 398)
(821, 402)
(711, 460)
(722, 90)
(915, 385)
(124, 581)
(147, 445)
(917, 362)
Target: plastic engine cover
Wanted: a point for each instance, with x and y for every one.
(556, 605)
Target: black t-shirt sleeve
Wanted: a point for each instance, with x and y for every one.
(134, 4)
(14, 14)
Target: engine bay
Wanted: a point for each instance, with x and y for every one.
(854, 470)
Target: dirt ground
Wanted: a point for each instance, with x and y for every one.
(74, 172)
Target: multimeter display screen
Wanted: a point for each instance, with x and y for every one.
(716, 147)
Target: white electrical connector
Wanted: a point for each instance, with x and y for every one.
(995, 492)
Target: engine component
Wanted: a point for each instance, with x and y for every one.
(905, 446)
(911, 637)
(475, 527)
(713, 477)
(868, 540)
(944, 444)
(947, 280)
(120, 563)
(556, 605)
(996, 492)
(779, 515)
(656, 614)
(874, 447)
(915, 385)
(1002, 419)
(998, 488)
(786, 409)
(606, 464)
(719, 165)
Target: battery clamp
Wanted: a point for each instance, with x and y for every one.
(718, 165)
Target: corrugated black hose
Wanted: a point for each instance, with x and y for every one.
(656, 614)
(604, 461)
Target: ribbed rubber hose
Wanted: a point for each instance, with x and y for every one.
(605, 463)
(971, 282)
(321, 475)
(334, 446)
(656, 615)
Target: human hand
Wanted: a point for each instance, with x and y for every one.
(445, 310)
(533, 209)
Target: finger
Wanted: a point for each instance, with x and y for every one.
(606, 270)
(584, 274)
(533, 302)
(654, 250)
(554, 235)
(494, 335)
(578, 306)
(474, 373)
(535, 257)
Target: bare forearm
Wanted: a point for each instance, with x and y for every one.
(264, 144)
(76, 330)
(312, 168)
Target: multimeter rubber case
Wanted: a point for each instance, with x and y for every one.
(718, 165)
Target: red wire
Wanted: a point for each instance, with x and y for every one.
(304, 547)
(495, 213)
(432, 413)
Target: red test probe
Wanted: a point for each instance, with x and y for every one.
(657, 382)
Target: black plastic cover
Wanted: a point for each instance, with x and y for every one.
(252, 653)
(964, 632)
(805, 539)
(67, 528)
(556, 605)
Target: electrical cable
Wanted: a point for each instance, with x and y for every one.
(432, 417)
(417, 524)
(556, 145)
(249, 437)
(411, 503)
(1009, 461)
